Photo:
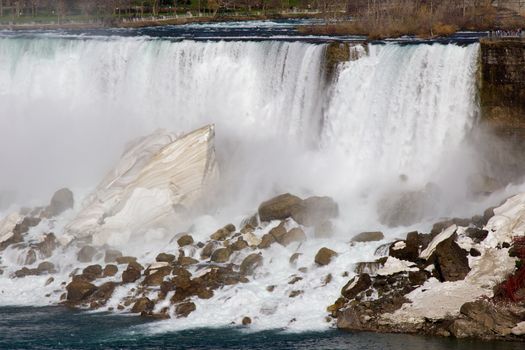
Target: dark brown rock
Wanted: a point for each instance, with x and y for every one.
(239, 244)
(92, 272)
(103, 293)
(156, 278)
(410, 251)
(221, 234)
(324, 256)
(164, 257)
(293, 258)
(185, 240)
(46, 266)
(78, 290)
(30, 257)
(451, 261)
(368, 237)
(251, 263)
(266, 241)
(142, 304)
(490, 316)
(246, 321)
(184, 309)
(110, 270)
(356, 285)
(279, 208)
(47, 246)
(221, 255)
(131, 274)
(125, 260)
(476, 234)
(207, 251)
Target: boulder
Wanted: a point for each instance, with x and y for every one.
(142, 304)
(187, 261)
(222, 233)
(103, 293)
(185, 240)
(78, 290)
(368, 237)
(251, 263)
(315, 210)
(124, 260)
(92, 272)
(86, 254)
(356, 285)
(476, 234)
(30, 257)
(156, 278)
(246, 321)
(239, 244)
(46, 266)
(221, 255)
(278, 232)
(407, 249)
(61, 201)
(164, 257)
(266, 241)
(131, 274)
(279, 208)
(293, 258)
(324, 256)
(47, 246)
(294, 235)
(451, 261)
(490, 316)
(184, 309)
(110, 270)
(112, 255)
(207, 251)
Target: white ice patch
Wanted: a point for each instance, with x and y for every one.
(394, 265)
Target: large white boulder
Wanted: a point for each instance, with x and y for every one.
(156, 180)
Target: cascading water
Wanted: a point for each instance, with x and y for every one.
(70, 105)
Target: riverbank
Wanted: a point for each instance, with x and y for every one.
(154, 22)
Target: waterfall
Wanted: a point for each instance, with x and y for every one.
(70, 104)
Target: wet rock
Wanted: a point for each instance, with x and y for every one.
(46, 266)
(125, 260)
(293, 258)
(30, 257)
(230, 227)
(490, 316)
(221, 234)
(78, 290)
(246, 321)
(476, 234)
(156, 278)
(164, 257)
(185, 240)
(356, 285)
(141, 305)
(270, 288)
(61, 201)
(103, 293)
(324, 256)
(49, 281)
(407, 249)
(221, 255)
(251, 263)
(208, 249)
(47, 246)
(278, 232)
(315, 210)
(112, 255)
(451, 261)
(187, 261)
(295, 279)
(239, 244)
(184, 309)
(92, 272)
(86, 254)
(368, 237)
(266, 241)
(295, 293)
(465, 328)
(417, 278)
(294, 235)
(474, 252)
(110, 270)
(131, 274)
(279, 208)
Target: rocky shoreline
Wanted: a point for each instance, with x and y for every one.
(463, 279)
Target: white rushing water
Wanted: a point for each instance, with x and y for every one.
(68, 107)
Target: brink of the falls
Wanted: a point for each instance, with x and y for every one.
(157, 179)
